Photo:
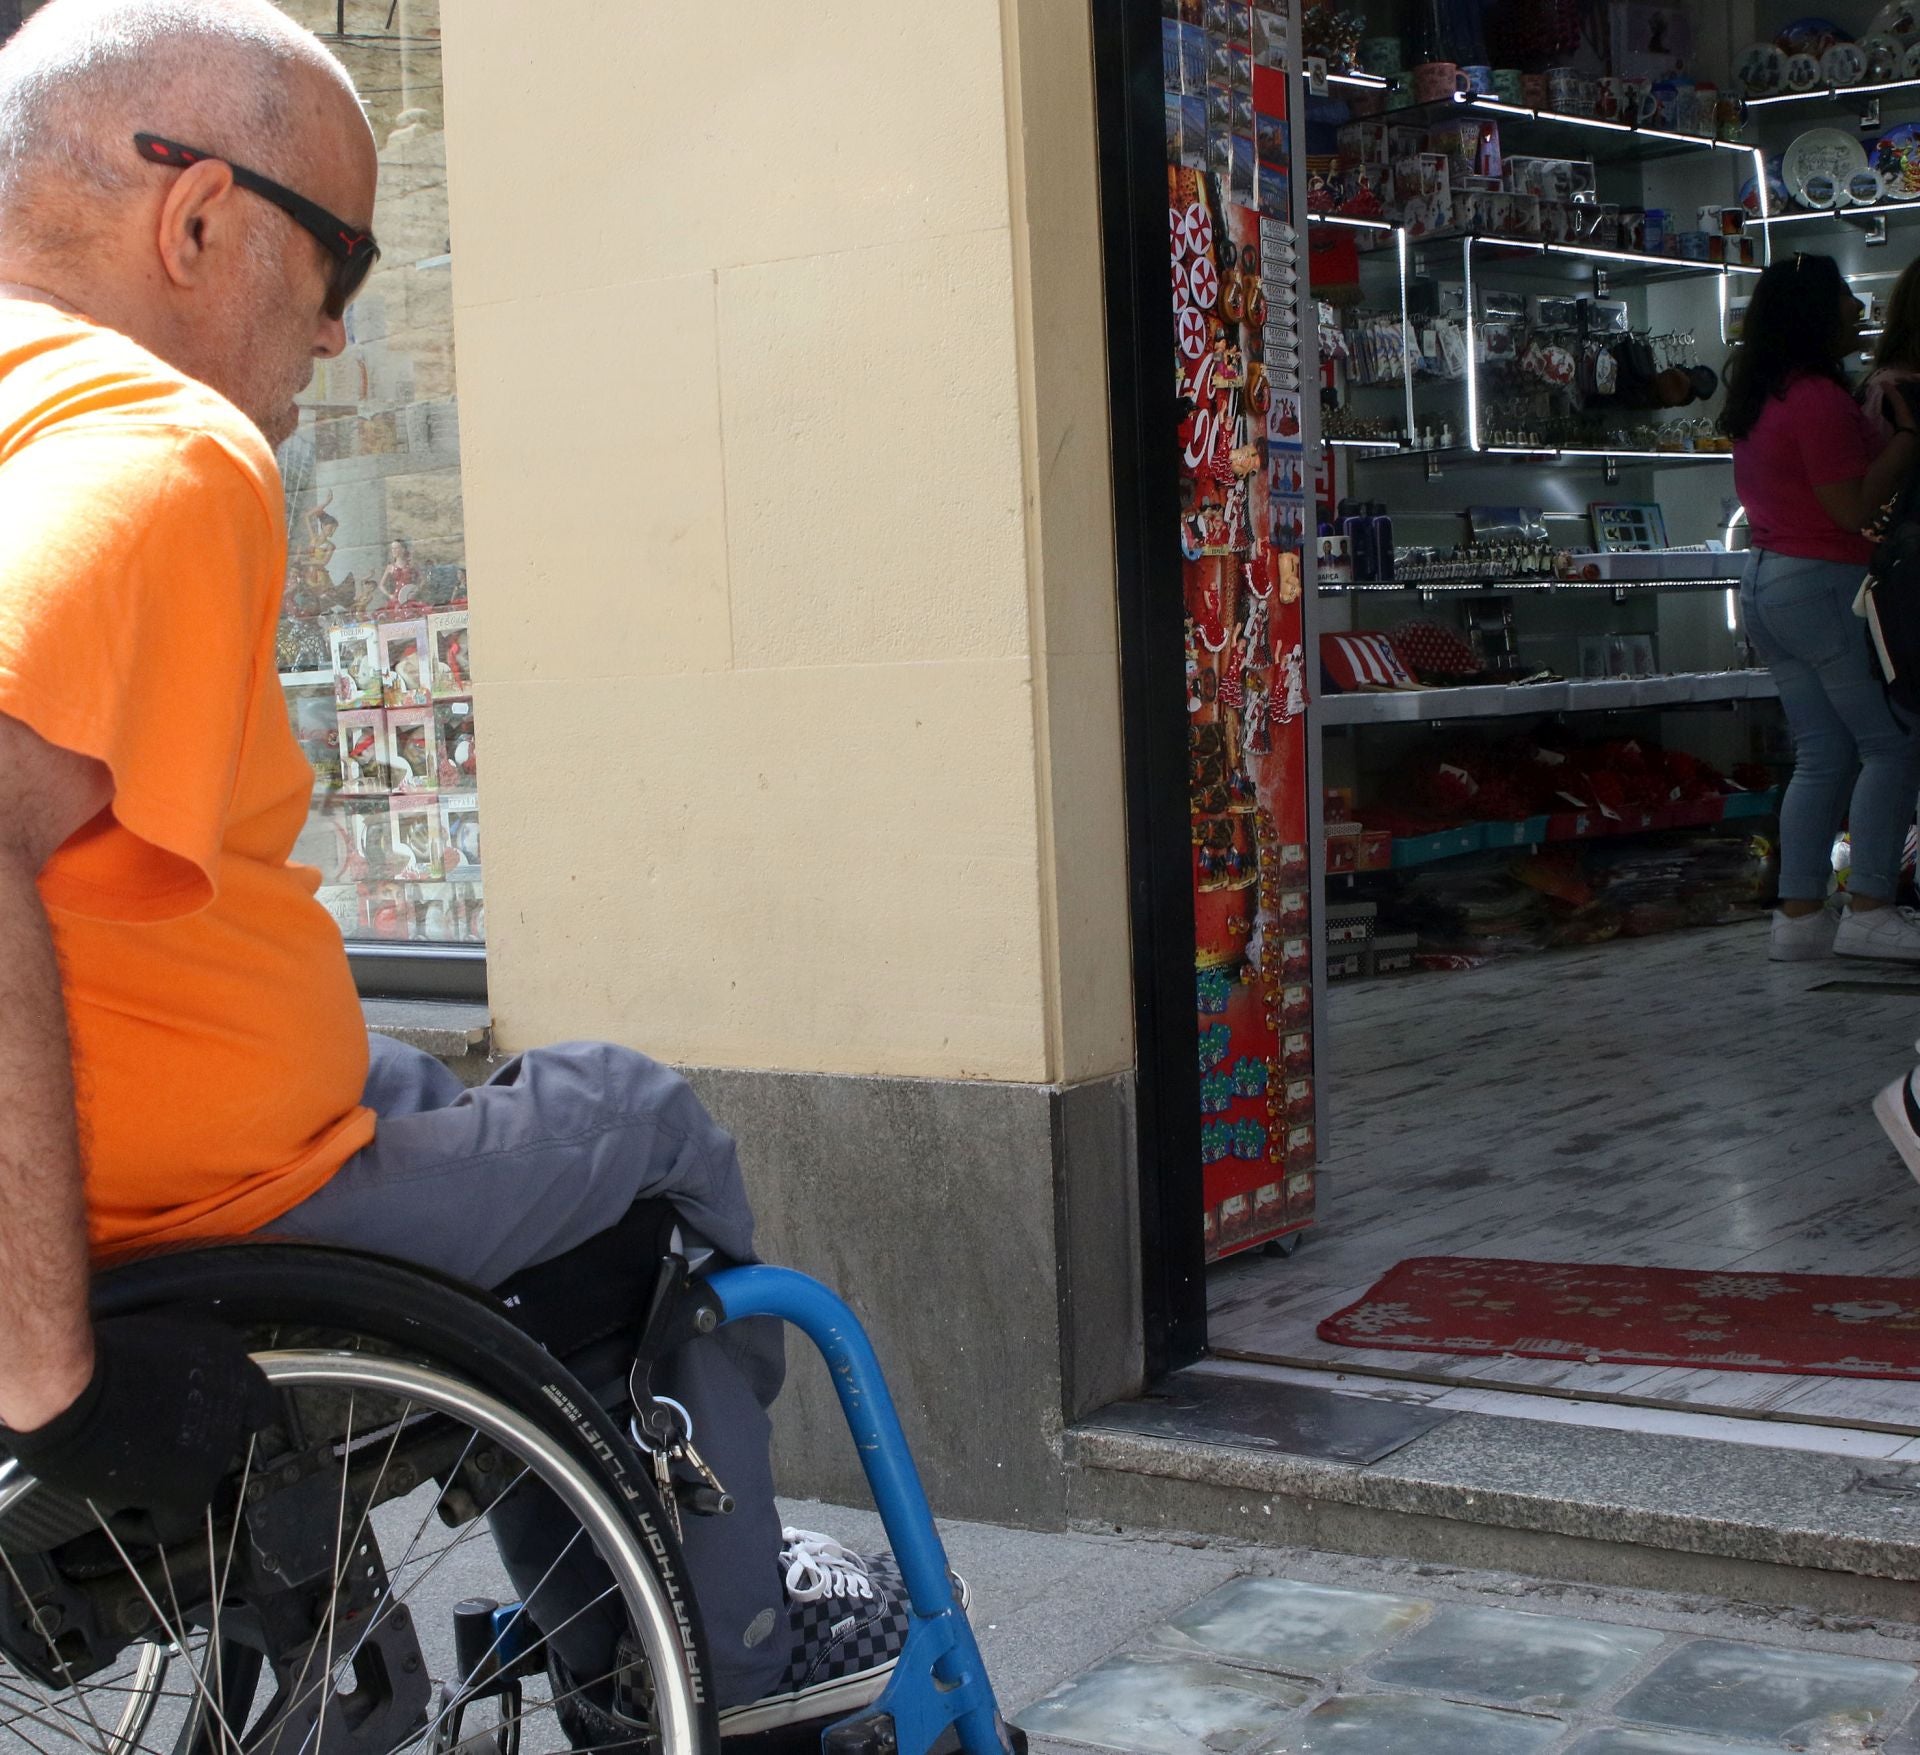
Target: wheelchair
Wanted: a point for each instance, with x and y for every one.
(339, 1595)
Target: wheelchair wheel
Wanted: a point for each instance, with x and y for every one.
(342, 1597)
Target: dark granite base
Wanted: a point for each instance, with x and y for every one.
(984, 1234)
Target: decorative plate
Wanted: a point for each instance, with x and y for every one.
(1883, 57)
(1803, 73)
(1761, 70)
(1844, 64)
(1824, 152)
(1898, 18)
(1777, 196)
(1896, 156)
(1811, 36)
(1910, 59)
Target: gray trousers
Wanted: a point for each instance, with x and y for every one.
(552, 1149)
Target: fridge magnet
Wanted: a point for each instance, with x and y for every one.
(1269, 39)
(345, 903)
(1625, 527)
(454, 743)
(460, 832)
(311, 713)
(452, 668)
(1192, 330)
(416, 837)
(411, 754)
(1199, 230)
(403, 663)
(1203, 284)
(362, 733)
(356, 665)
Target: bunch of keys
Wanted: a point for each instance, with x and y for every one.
(664, 1430)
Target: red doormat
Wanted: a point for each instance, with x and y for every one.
(1811, 1325)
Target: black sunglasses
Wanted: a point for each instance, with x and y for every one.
(354, 251)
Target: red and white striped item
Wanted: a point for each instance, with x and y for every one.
(1362, 661)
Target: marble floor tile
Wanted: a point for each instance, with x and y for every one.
(1303, 1629)
(1405, 1724)
(1537, 1661)
(1767, 1695)
(1617, 1740)
(1164, 1703)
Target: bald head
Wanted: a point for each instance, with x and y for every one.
(233, 77)
(191, 262)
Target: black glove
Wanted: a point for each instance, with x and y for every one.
(169, 1409)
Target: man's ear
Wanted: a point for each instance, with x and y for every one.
(200, 222)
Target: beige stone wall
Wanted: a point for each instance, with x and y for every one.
(787, 522)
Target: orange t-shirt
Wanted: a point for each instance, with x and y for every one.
(218, 1044)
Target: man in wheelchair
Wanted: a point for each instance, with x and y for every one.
(186, 195)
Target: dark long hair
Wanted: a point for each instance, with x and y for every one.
(1789, 329)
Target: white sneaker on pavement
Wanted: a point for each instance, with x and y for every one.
(1887, 935)
(1800, 939)
(1897, 1109)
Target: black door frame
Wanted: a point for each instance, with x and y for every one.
(1129, 91)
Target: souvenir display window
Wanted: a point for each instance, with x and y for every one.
(1236, 254)
(373, 645)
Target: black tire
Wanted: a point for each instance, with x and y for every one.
(406, 1312)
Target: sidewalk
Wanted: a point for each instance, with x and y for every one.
(1150, 1646)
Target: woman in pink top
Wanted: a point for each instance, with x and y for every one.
(1812, 471)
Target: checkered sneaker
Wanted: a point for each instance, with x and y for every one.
(847, 1619)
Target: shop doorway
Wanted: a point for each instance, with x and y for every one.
(1538, 1024)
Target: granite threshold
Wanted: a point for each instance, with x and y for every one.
(1585, 1502)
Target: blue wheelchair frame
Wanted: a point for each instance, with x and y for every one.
(939, 1681)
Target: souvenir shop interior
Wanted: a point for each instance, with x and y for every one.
(1500, 1096)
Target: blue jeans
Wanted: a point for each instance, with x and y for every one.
(1853, 758)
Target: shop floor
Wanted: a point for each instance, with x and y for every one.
(1674, 1102)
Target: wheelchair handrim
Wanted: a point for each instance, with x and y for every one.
(663, 1637)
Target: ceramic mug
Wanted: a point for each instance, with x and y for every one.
(1475, 80)
(1612, 98)
(1435, 81)
(1533, 90)
(1381, 56)
(1563, 89)
(1509, 85)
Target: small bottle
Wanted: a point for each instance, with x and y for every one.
(1382, 543)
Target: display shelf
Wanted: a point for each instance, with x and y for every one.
(1586, 137)
(1501, 587)
(1381, 445)
(1627, 267)
(1411, 851)
(307, 678)
(1586, 457)
(1835, 222)
(1517, 700)
(1903, 91)
(1349, 223)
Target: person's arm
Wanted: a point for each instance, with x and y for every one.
(46, 795)
(1855, 503)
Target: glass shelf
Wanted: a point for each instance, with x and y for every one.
(1350, 224)
(1585, 137)
(1495, 701)
(1628, 267)
(1837, 221)
(1905, 91)
(1578, 457)
(1500, 587)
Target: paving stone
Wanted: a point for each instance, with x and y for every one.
(1304, 1629)
(1164, 1703)
(1756, 1691)
(1617, 1740)
(1405, 1724)
(1539, 1661)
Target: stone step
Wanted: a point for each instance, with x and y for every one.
(1287, 1465)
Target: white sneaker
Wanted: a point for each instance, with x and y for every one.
(1898, 1112)
(1799, 940)
(1888, 935)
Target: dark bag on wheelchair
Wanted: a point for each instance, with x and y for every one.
(1891, 599)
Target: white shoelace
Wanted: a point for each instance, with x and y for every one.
(818, 1566)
